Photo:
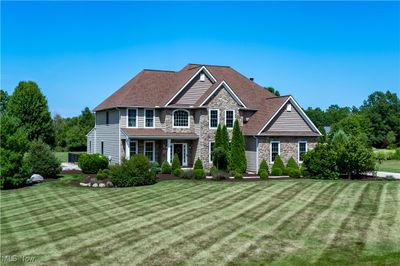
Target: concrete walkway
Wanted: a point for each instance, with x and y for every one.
(386, 174)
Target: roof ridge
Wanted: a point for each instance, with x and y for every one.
(209, 65)
(273, 97)
(158, 70)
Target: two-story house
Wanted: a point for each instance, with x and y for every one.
(162, 113)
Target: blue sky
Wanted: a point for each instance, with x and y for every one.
(320, 52)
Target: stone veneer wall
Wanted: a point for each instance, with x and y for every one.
(289, 147)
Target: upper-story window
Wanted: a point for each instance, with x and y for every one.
(214, 118)
(149, 118)
(229, 118)
(132, 117)
(180, 118)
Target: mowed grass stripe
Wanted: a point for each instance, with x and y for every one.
(113, 203)
(82, 227)
(98, 195)
(204, 233)
(108, 230)
(220, 251)
(160, 222)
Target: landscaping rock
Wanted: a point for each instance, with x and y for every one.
(36, 178)
(102, 185)
(95, 185)
(109, 184)
(84, 185)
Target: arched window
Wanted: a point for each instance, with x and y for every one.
(181, 118)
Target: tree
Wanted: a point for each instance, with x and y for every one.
(354, 125)
(334, 114)
(321, 162)
(339, 138)
(225, 138)
(3, 101)
(220, 158)
(41, 160)
(28, 104)
(383, 110)
(238, 156)
(317, 116)
(13, 145)
(176, 163)
(218, 137)
(272, 90)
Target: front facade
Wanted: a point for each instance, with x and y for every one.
(162, 113)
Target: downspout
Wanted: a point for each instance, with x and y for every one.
(119, 136)
(95, 133)
(256, 153)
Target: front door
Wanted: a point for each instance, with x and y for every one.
(181, 150)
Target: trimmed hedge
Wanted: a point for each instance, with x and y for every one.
(263, 174)
(263, 167)
(176, 163)
(276, 171)
(92, 163)
(166, 167)
(278, 164)
(177, 172)
(199, 174)
(198, 164)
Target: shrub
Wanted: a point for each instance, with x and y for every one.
(263, 167)
(321, 162)
(214, 172)
(276, 171)
(198, 164)
(166, 167)
(176, 163)
(199, 174)
(220, 159)
(155, 166)
(295, 173)
(136, 171)
(303, 171)
(278, 164)
(396, 155)
(263, 174)
(380, 156)
(238, 176)
(41, 160)
(187, 174)
(178, 172)
(103, 174)
(222, 175)
(292, 164)
(92, 163)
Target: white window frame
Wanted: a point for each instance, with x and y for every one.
(209, 118)
(233, 117)
(173, 118)
(145, 117)
(270, 149)
(184, 159)
(129, 147)
(209, 151)
(298, 149)
(154, 150)
(127, 118)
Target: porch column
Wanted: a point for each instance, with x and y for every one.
(128, 149)
(169, 151)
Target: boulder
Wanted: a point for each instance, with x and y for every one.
(102, 185)
(95, 185)
(83, 184)
(36, 178)
(109, 184)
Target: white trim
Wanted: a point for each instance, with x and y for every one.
(233, 117)
(173, 118)
(230, 91)
(203, 68)
(209, 151)
(154, 117)
(270, 149)
(298, 149)
(127, 117)
(184, 159)
(154, 150)
(119, 136)
(90, 131)
(298, 108)
(257, 160)
(209, 118)
(169, 151)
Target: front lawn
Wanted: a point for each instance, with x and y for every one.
(287, 222)
(389, 166)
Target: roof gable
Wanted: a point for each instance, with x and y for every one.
(217, 88)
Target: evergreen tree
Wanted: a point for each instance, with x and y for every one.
(176, 163)
(238, 156)
(30, 106)
(218, 137)
(292, 164)
(198, 164)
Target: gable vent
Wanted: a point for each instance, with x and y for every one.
(202, 77)
(289, 107)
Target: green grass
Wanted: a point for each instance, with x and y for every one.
(292, 222)
(389, 166)
(62, 156)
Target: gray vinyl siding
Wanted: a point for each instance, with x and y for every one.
(90, 141)
(251, 154)
(123, 117)
(109, 134)
(289, 121)
(194, 90)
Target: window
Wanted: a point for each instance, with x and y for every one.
(229, 117)
(210, 151)
(302, 150)
(107, 118)
(275, 150)
(133, 148)
(132, 117)
(148, 118)
(202, 77)
(149, 150)
(181, 118)
(102, 147)
(214, 118)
